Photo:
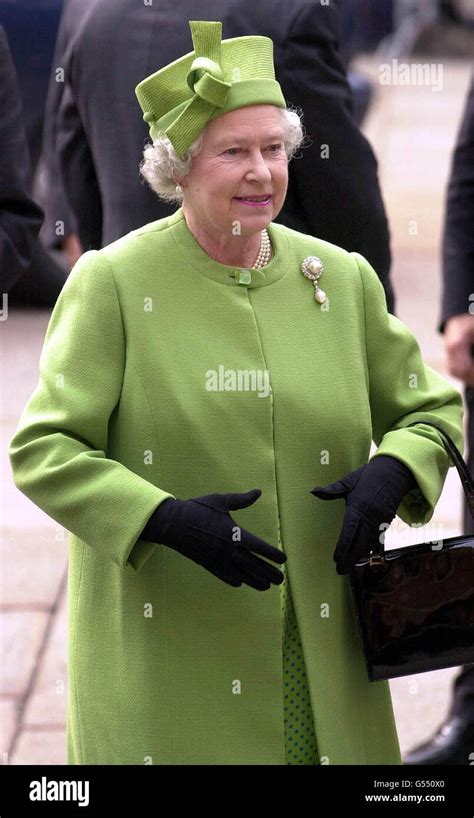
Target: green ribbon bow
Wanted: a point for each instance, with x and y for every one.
(206, 79)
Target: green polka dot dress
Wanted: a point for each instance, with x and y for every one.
(300, 739)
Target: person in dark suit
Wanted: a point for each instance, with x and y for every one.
(20, 216)
(59, 229)
(333, 188)
(453, 742)
(30, 28)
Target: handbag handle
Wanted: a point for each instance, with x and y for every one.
(457, 458)
(377, 556)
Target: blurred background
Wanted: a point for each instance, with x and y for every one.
(412, 126)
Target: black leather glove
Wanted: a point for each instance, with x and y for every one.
(373, 494)
(202, 529)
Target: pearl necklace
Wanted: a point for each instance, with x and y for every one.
(265, 251)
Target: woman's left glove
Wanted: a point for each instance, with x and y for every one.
(373, 494)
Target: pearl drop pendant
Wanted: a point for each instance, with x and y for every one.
(312, 268)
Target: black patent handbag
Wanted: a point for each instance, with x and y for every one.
(414, 605)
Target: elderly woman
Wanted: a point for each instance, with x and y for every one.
(199, 376)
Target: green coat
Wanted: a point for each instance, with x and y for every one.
(167, 663)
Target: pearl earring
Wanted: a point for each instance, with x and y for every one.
(179, 190)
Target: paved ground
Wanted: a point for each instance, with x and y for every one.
(412, 129)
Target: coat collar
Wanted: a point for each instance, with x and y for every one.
(198, 259)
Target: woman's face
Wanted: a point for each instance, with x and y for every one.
(242, 155)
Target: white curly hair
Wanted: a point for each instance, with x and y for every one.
(161, 163)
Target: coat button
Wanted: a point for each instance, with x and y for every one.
(243, 277)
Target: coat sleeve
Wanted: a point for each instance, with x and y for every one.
(458, 234)
(59, 451)
(78, 175)
(56, 204)
(403, 389)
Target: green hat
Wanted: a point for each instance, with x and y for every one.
(217, 77)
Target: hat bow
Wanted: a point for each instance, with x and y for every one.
(206, 79)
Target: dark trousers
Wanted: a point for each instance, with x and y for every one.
(463, 699)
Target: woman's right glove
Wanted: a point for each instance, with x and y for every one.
(202, 529)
